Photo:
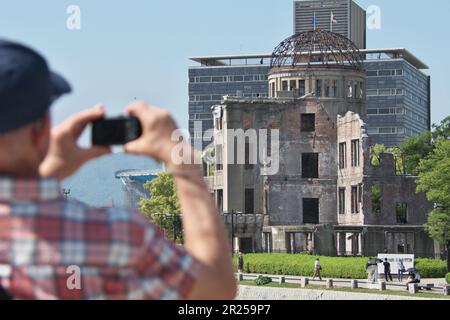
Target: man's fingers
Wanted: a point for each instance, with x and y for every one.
(136, 108)
(79, 121)
(94, 152)
(131, 147)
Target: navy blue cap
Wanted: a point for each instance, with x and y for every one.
(27, 86)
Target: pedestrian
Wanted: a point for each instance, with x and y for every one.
(317, 270)
(413, 277)
(240, 262)
(371, 269)
(400, 269)
(387, 270)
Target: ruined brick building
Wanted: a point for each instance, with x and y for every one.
(326, 196)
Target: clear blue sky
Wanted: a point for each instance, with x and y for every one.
(140, 48)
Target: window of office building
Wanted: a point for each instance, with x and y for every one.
(308, 122)
(310, 165)
(401, 210)
(355, 153)
(310, 211)
(284, 86)
(384, 73)
(343, 155)
(249, 200)
(342, 201)
(218, 79)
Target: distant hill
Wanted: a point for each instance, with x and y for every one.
(96, 185)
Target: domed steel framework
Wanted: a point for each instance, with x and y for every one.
(317, 48)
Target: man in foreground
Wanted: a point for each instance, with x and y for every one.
(45, 240)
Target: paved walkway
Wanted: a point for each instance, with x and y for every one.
(393, 286)
(268, 293)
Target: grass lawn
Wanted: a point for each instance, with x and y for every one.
(359, 290)
(333, 267)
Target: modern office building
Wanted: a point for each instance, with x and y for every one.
(398, 96)
(216, 77)
(398, 90)
(340, 16)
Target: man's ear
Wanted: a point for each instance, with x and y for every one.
(40, 134)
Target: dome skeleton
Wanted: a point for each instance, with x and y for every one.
(317, 48)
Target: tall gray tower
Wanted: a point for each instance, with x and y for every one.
(340, 16)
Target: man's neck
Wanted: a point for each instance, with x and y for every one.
(20, 172)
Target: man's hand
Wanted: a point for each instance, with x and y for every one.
(65, 157)
(157, 128)
(204, 229)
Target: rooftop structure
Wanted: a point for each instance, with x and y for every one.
(369, 55)
(133, 184)
(398, 90)
(317, 48)
(344, 17)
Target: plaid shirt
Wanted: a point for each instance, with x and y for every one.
(51, 248)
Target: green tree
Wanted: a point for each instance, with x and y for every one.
(378, 149)
(442, 130)
(415, 149)
(163, 206)
(434, 172)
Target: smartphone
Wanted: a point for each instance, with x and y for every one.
(115, 131)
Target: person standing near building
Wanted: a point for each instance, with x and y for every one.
(317, 270)
(400, 269)
(240, 262)
(387, 270)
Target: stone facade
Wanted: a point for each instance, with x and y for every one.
(280, 220)
(296, 168)
(283, 223)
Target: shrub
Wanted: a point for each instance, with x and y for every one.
(332, 267)
(429, 268)
(262, 281)
(447, 277)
